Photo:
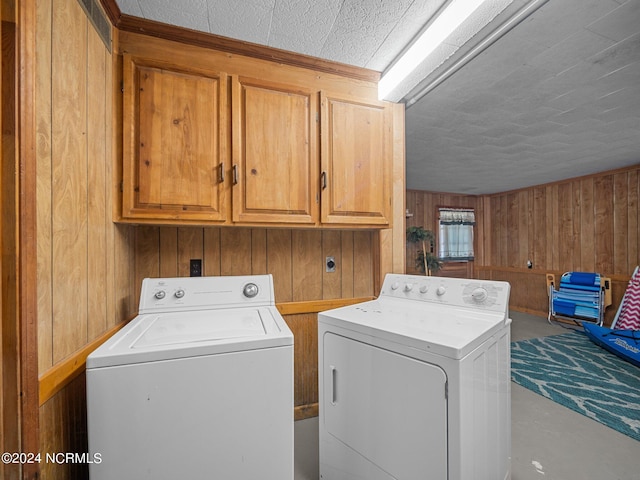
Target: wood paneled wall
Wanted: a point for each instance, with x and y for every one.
(84, 279)
(584, 224)
(305, 351)
(84, 285)
(63, 428)
(295, 258)
(587, 224)
(590, 223)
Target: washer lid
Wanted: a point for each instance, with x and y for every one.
(176, 328)
(167, 336)
(446, 330)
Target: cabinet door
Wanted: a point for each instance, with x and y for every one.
(356, 160)
(175, 145)
(275, 158)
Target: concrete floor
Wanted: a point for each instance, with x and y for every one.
(549, 441)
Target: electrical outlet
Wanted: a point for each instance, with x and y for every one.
(195, 267)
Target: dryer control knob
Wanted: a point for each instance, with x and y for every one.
(408, 287)
(479, 295)
(179, 293)
(160, 294)
(250, 290)
(395, 285)
(441, 290)
(423, 288)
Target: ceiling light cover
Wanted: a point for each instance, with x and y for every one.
(443, 28)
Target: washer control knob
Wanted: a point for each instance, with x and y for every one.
(179, 293)
(441, 290)
(250, 290)
(395, 285)
(408, 287)
(479, 295)
(160, 294)
(423, 288)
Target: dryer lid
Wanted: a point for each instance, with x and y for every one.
(439, 329)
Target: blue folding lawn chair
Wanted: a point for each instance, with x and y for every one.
(579, 298)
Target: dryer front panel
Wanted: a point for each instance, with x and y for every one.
(388, 408)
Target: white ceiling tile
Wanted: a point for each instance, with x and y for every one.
(130, 7)
(620, 23)
(563, 55)
(155, 8)
(582, 73)
(558, 20)
(303, 26)
(244, 20)
(521, 81)
(361, 27)
(480, 103)
(620, 55)
(190, 14)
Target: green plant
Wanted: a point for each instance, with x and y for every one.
(426, 261)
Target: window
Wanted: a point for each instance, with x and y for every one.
(455, 234)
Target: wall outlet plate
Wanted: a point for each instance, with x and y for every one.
(195, 267)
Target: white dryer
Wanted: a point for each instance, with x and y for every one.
(198, 385)
(416, 384)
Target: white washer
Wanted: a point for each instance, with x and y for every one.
(198, 385)
(415, 384)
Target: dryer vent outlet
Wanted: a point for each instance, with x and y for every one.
(195, 267)
(330, 264)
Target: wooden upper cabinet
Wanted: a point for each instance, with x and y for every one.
(356, 161)
(275, 152)
(205, 147)
(175, 142)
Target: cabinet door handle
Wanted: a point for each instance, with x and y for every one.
(235, 174)
(323, 180)
(221, 173)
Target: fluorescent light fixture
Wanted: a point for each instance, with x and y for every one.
(502, 29)
(444, 25)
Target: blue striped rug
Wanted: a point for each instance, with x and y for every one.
(572, 371)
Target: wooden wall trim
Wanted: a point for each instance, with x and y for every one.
(112, 10)
(9, 316)
(151, 28)
(529, 291)
(61, 374)
(306, 411)
(558, 273)
(315, 306)
(27, 249)
(530, 311)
